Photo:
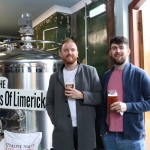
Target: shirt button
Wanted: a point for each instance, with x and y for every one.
(69, 116)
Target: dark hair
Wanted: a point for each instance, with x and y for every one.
(119, 40)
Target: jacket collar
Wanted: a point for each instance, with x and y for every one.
(63, 65)
(108, 77)
(60, 72)
(125, 67)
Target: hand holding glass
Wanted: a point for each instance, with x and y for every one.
(112, 96)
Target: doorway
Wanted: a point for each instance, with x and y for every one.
(139, 39)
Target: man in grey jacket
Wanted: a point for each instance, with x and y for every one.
(73, 91)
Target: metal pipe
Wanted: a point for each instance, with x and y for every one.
(86, 36)
(44, 34)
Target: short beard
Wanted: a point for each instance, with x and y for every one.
(117, 62)
(70, 62)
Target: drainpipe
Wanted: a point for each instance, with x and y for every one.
(86, 35)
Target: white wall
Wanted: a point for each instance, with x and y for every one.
(61, 9)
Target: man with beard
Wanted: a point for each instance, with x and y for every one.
(122, 123)
(73, 91)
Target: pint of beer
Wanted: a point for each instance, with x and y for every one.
(112, 96)
(71, 85)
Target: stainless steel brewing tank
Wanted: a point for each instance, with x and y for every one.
(31, 70)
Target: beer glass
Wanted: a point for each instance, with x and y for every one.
(112, 96)
(70, 83)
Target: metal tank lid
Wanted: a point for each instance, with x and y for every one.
(18, 54)
(20, 61)
(13, 51)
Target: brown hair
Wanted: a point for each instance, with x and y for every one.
(67, 41)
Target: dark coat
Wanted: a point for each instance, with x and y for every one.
(87, 81)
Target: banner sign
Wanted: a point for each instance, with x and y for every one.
(3, 83)
(20, 98)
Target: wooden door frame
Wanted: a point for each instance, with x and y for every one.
(134, 5)
(110, 22)
(110, 19)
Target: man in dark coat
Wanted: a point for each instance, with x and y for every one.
(71, 108)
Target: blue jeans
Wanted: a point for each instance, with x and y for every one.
(115, 141)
